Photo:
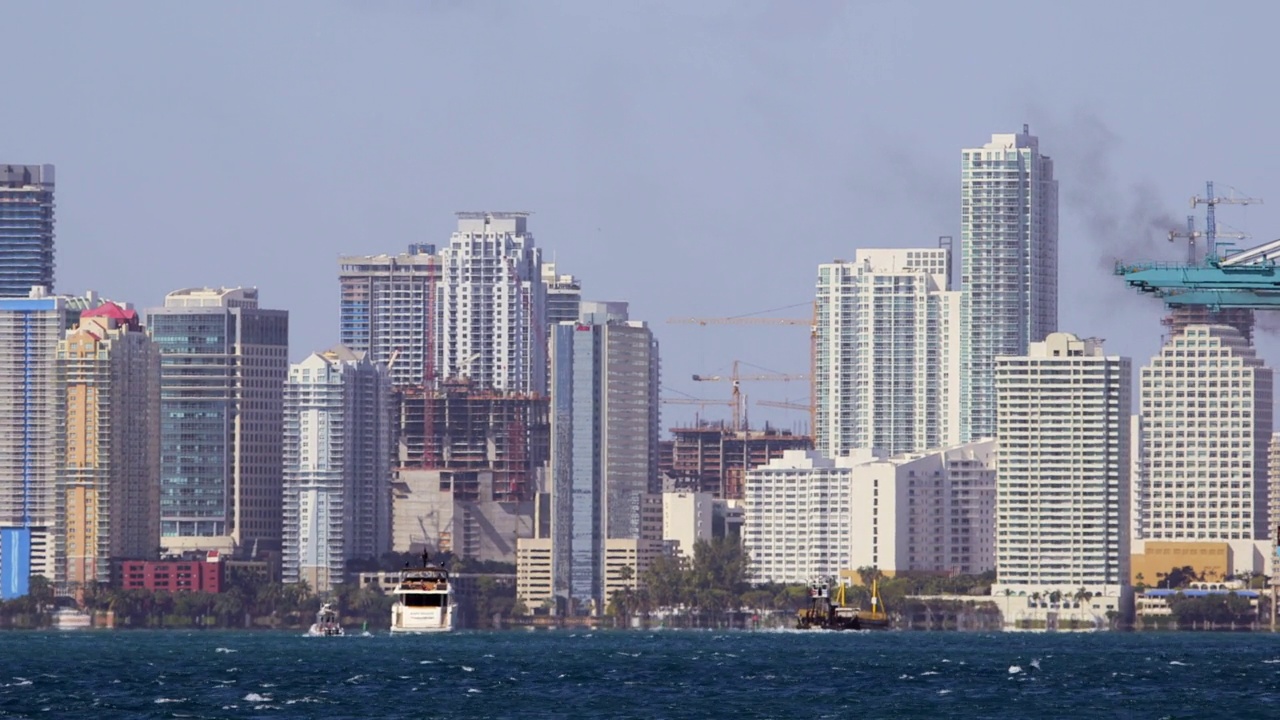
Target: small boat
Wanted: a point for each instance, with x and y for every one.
(326, 624)
(828, 613)
(423, 600)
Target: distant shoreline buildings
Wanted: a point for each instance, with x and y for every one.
(476, 405)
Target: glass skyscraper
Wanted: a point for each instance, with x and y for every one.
(604, 446)
(1009, 264)
(223, 364)
(26, 229)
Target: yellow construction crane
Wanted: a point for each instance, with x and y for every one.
(755, 318)
(737, 378)
(785, 405)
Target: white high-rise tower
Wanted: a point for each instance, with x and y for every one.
(1062, 471)
(1009, 263)
(887, 368)
(491, 305)
(1206, 416)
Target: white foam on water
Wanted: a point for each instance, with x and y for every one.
(225, 650)
(256, 698)
(1015, 669)
(468, 668)
(163, 700)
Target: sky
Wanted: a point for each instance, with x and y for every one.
(691, 158)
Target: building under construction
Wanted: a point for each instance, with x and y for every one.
(460, 427)
(1180, 316)
(715, 458)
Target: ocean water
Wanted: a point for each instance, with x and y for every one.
(616, 674)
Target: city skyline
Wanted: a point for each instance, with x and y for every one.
(686, 171)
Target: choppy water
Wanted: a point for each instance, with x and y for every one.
(675, 674)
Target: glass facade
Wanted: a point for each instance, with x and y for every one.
(197, 387)
(26, 229)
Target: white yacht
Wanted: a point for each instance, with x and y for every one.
(326, 624)
(423, 600)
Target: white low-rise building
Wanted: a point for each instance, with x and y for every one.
(687, 517)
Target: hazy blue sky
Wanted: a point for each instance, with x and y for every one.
(693, 158)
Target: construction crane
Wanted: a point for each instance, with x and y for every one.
(1211, 201)
(754, 318)
(787, 405)
(737, 379)
(1191, 234)
(1248, 279)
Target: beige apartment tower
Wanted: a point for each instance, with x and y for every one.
(109, 373)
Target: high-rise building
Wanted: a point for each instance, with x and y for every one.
(26, 229)
(930, 512)
(337, 465)
(1009, 264)
(109, 378)
(1207, 420)
(387, 308)
(491, 312)
(31, 412)
(1062, 483)
(564, 295)
(887, 363)
(604, 443)
(798, 512)
(223, 364)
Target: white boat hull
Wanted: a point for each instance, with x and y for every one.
(407, 619)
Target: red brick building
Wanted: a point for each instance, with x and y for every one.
(195, 575)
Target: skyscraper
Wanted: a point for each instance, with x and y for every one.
(109, 378)
(26, 229)
(387, 307)
(604, 447)
(492, 305)
(1206, 417)
(1062, 471)
(564, 295)
(337, 466)
(223, 363)
(31, 412)
(887, 368)
(1009, 264)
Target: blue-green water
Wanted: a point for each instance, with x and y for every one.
(676, 674)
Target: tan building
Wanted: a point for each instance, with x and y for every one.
(1212, 561)
(454, 511)
(621, 553)
(533, 572)
(109, 371)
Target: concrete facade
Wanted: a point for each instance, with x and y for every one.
(491, 317)
(1206, 406)
(109, 377)
(387, 309)
(928, 512)
(338, 445)
(798, 516)
(687, 517)
(1062, 487)
(1009, 264)
(887, 363)
(426, 514)
(32, 407)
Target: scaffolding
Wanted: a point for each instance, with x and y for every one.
(715, 458)
(460, 428)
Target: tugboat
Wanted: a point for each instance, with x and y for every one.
(424, 600)
(827, 613)
(326, 624)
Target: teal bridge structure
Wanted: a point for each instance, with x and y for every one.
(1241, 279)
